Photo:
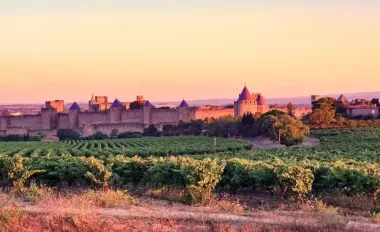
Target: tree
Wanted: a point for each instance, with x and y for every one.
(68, 134)
(248, 119)
(114, 133)
(324, 110)
(324, 115)
(288, 130)
(151, 131)
(325, 102)
(99, 136)
(291, 109)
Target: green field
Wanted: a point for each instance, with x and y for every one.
(130, 147)
(347, 161)
(344, 145)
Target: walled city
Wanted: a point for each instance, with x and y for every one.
(104, 116)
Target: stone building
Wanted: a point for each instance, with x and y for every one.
(363, 110)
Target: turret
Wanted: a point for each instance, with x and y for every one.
(48, 118)
(183, 111)
(4, 119)
(147, 110)
(115, 111)
(74, 115)
(314, 98)
(247, 103)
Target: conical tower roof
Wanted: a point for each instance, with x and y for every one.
(261, 100)
(5, 113)
(75, 106)
(148, 104)
(342, 99)
(183, 104)
(117, 105)
(245, 95)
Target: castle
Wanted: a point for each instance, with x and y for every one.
(106, 116)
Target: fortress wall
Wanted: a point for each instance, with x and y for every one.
(63, 121)
(4, 123)
(17, 131)
(132, 116)
(26, 121)
(3, 132)
(46, 132)
(246, 107)
(163, 116)
(186, 114)
(213, 113)
(93, 118)
(300, 112)
(263, 108)
(107, 128)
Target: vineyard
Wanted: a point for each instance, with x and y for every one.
(346, 162)
(143, 147)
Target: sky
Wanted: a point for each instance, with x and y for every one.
(200, 49)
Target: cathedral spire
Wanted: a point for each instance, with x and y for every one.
(93, 97)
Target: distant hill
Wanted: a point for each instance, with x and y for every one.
(298, 101)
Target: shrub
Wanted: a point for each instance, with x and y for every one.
(68, 134)
(201, 178)
(294, 178)
(126, 135)
(128, 170)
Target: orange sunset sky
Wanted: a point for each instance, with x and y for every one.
(204, 50)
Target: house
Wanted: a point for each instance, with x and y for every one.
(363, 110)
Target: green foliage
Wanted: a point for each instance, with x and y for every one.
(10, 138)
(68, 134)
(283, 127)
(324, 110)
(126, 135)
(164, 172)
(325, 102)
(18, 174)
(294, 178)
(290, 130)
(127, 171)
(151, 131)
(201, 178)
(346, 162)
(97, 136)
(130, 147)
(290, 109)
(265, 125)
(97, 172)
(114, 133)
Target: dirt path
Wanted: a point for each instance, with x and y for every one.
(279, 218)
